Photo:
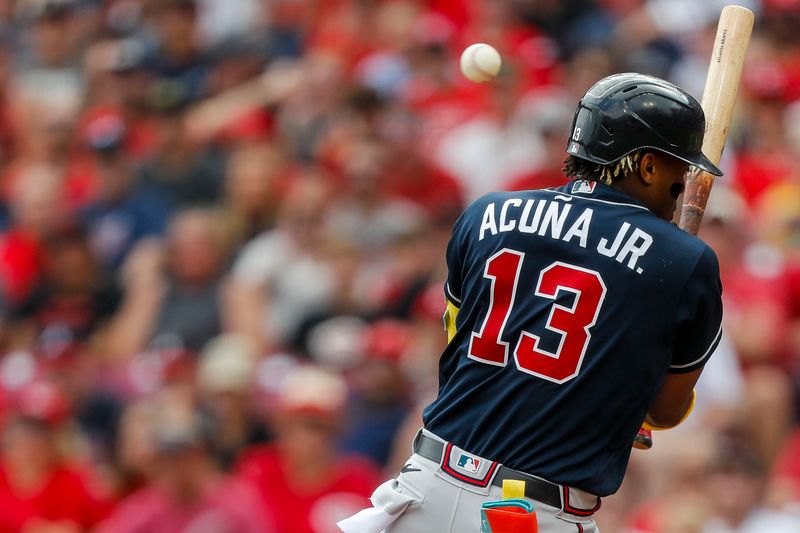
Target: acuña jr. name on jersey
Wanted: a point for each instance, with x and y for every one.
(556, 219)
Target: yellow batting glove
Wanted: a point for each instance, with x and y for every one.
(651, 427)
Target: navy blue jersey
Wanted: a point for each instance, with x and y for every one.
(571, 307)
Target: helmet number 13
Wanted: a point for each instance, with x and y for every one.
(573, 324)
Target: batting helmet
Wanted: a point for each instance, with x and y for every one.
(627, 112)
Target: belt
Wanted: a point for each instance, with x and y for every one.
(535, 488)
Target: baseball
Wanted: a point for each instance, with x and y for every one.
(480, 62)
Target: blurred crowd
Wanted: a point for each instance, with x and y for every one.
(222, 232)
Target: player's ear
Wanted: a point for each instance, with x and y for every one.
(647, 167)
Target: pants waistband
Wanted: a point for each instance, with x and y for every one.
(541, 490)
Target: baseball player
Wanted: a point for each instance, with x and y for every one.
(575, 315)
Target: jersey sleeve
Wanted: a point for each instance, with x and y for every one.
(455, 272)
(455, 263)
(699, 321)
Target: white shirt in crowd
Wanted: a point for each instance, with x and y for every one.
(298, 283)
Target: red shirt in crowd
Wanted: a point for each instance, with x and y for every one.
(20, 265)
(540, 179)
(64, 496)
(757, 172)
(787, 464)
(230, 506)
(431, 188)
(315, 510)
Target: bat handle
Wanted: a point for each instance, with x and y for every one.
(643, 440)
(695, 198)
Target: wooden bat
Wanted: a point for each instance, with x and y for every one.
(719, 95)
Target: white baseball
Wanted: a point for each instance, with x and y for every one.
(480, 62)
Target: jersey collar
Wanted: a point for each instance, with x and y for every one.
(600, 191)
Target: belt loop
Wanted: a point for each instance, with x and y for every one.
(416, 441)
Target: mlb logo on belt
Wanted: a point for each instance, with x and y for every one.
(467, 467)
(583, 187)
(470, 464)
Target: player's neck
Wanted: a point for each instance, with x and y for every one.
(634, 188)
(628, 186)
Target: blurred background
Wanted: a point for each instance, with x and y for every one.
(222, 239)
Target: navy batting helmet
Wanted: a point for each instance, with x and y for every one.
(627, 112)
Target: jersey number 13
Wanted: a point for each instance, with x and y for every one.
(573, 324)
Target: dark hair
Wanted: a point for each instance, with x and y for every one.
(576, 168)
(581, 169)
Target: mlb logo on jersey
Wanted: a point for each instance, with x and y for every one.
(583, 187)
(470, 464)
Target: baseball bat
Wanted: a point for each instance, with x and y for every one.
(719, 95)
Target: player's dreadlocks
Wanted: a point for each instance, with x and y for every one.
(577, 168)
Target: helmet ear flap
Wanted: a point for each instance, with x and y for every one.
(584, 133)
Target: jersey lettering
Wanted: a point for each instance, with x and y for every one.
(505, 225)
(603, 248)
(554, 219)
(580, 228)
(526, 225)
(638, 243)
(557, 219)
(488, 222)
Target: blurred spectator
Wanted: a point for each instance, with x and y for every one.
(553, 117)
(409, 265)
(281, 277)
(226, 376)
(254, 173)
(681, 472)
(303, 481)
(178, 171)
(119, 86)
(70, 304)
(178, 60)
(737, 483)
(330, 336)
(285, 24)
(785, 476)
(366, 212)
(764, 158)
(308, 112)
(778, 218)
(186, 491)
(36, 207)
(378, 405)
(134, 453)
(754, 275)
(123, 212)
(222, 20)
(39, 490)
(172, 295)
(409, 176)
(235, 61)
(495, 147)
(51, 49)
(755, 279)
(44, 126)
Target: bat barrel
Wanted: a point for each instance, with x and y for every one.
(722, 84)
(724, 72)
